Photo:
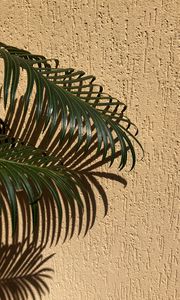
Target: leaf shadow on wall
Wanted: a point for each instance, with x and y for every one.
(20, 126)
(83, 165)
(22, 271)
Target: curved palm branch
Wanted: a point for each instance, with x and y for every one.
(68, 116)
(29, 176)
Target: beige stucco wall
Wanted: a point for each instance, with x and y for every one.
(132, 48)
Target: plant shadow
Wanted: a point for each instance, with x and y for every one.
(83, 162)
(24, 256)
(22, 272)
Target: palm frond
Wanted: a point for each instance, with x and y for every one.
(46, 194)
(54, 132)
(59, 104)
(24, 168)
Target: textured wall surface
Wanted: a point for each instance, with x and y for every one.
(131, 46)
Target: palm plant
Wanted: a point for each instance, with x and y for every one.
(56, 125)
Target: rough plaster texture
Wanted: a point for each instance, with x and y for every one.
(132, 48)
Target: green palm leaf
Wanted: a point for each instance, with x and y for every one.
(47, 187)
(24, 168)
(53, 102)
(61, 116)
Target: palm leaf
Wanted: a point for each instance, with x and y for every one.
(54, 102)
(24, 168)
(70, 124)
(39, 183)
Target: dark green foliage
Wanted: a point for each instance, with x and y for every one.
(72, 117)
